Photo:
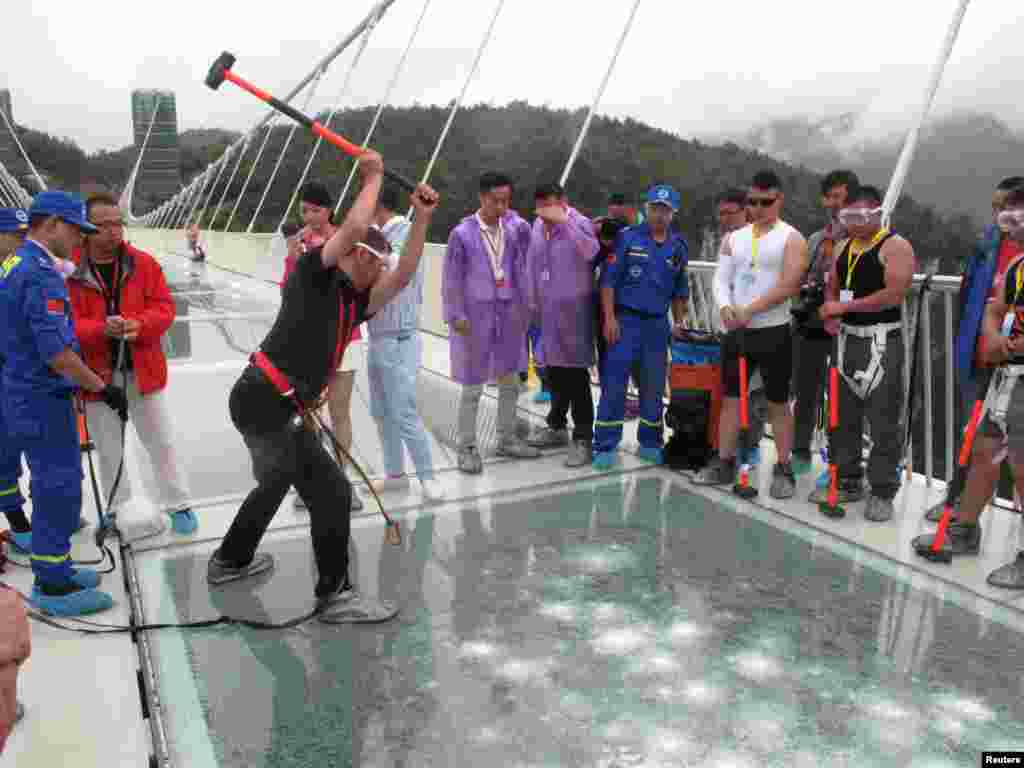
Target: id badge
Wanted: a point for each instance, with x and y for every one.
(500, 282)
(845, 296)
(1008, 323)
(545, 276)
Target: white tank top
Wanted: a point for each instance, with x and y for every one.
(756, 274)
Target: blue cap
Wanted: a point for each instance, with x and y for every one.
(69, 207)
(13, 220)
(663, 194)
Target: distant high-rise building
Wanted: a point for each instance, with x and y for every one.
(9, 154)
(160, 173)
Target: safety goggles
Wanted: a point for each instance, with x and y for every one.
(849, 216)
(1012, 218)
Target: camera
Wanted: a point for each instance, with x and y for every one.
(806, 305)
(610, 229)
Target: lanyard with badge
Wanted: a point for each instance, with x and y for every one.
(846, 295)
(750, 278)
(496, 252)
(111, 294)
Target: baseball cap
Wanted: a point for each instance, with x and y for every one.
(663, 194)
(65, 205)
(13, 220)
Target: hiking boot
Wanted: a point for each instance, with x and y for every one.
(221, 572)
(878, 510)
(470, 461)
(717, 472)
(347, 606)
(549, 438)
(1009, 576)
(514, 448)
(783, 482)
(934, 513)
(847, 492)
(581, 453)
(960, 539)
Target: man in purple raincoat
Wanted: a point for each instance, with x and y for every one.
(485, 305)
(560, 266)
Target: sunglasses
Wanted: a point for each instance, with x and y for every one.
(762, 202)
(1013, 217)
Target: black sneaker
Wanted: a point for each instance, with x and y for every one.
(1010, 576)
(221, 572)
(960, 540)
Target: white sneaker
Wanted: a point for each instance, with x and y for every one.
(433, 490)
(389, 483)
(136, 530)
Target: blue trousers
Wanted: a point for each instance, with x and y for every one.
(392, 366)
(644, 340)
(11, 499)
(43, 426)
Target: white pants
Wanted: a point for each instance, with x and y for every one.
(150, 418)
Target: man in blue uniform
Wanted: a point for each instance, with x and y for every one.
(645, 275)
(42, 369)
(13, 226)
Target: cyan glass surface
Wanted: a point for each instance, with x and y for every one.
(622, 623)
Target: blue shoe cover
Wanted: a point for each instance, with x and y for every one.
(651, 454)
(86, 578)
(184, 522)
(80, 603)
(542, 397)
(823, 480)
(753, 457)
(22, 542)
(604, 460)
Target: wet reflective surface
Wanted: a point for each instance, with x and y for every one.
(619, 623)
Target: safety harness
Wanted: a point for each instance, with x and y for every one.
(864, 382)
(1000, 390)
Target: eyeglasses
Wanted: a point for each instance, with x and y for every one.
(762, 202)
(858, 215)
(118, 224)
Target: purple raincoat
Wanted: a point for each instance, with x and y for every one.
(561, 271)
(498, 317)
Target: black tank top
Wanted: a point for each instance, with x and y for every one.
(1013, 291)
(868, 278)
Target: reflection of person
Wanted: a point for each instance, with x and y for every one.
(332, 289)
(15, 648)
(196, 251)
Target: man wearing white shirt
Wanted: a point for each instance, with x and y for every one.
(759, 270)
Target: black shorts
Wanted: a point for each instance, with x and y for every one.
(769, 350)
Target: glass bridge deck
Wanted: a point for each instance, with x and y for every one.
(549, 617)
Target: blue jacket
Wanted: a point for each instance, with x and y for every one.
(35, 311)
(647, 276)
(975, 288)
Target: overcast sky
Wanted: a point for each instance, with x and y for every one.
(691, 68)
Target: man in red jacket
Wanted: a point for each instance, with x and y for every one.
(122, 308)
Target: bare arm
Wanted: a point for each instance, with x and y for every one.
(679, 310)
(359, 218)
(424, 200)
(794, 266)
(70, 365)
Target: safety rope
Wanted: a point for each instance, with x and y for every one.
(342, 97)
(597, 98)
(284, 149)
(384, 101)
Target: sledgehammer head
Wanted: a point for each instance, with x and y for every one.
(220, 67)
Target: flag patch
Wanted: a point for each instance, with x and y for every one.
(55, 306)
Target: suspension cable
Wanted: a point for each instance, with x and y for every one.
(241, 153)
(252, 170)
(125, 203)
(343, 95)
(462, 95)
(384, 101)
(222, 164)
(899, 174)
(597, 98)
(207, 175)
(24, 154)
(280, 157)
(186, 199)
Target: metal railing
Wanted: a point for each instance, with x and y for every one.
(940, 306)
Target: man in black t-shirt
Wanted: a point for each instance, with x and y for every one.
(332, 289)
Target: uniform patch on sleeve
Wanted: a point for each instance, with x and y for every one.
(55, 306)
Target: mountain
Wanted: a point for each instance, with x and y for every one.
(959, 159)
(530, 143)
